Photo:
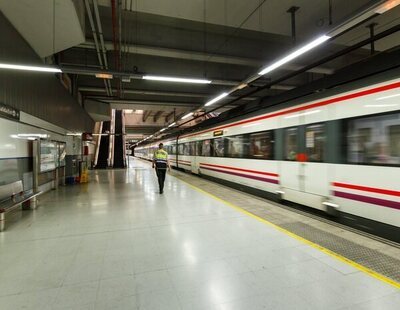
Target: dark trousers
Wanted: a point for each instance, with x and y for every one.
(161, 172)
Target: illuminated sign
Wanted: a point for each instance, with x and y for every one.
(9, 112)
(218, 133)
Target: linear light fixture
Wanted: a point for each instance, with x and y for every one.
(187, 115)
(388, 5)
(170, 125)
(163, 129)
(175, 79)
(295, 54)
(212, 101)
(29, 68)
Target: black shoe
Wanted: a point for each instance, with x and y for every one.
(161, 192)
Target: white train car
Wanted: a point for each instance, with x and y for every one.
(339, 154)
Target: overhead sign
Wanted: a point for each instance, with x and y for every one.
(218, 133)
(9, 112)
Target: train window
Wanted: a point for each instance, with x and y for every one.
(315, 142)
(181, 148)
(206, 148)
(236, 146)
(186, 149)
(199, 148)
(173, 150)
(191, 148)
(374, 140)
(261, 145)
(218, 149)
(290, 144)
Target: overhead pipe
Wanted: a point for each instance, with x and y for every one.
(115, 34)
(100, 32)
(96, 43)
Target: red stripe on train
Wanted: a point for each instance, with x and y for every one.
(243, 170)
(368, 189)
(310, 106)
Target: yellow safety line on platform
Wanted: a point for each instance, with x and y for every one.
(310, 243)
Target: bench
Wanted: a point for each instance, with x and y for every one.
(12, 196)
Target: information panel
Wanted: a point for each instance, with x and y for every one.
(48, 155)
(62, 151)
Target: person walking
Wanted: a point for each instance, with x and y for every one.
(161, 164)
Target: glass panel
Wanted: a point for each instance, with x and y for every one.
(199, 148)
(192, 148)
(315, 142)
(261, 145)
(218, 150)
(206, 148)
(374, 140)
(236, 146)
(291, 143)
(181, 149)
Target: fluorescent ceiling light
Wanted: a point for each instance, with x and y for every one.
(29, 68)
(170, 125)
(175, 79)
(216, 99)
(387, 97)
(163, 129)
(187, 115)
(295, 54)
(388, 5)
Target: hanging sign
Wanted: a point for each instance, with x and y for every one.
(218, 133)
(8, 112)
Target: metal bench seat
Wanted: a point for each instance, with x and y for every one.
(12, 196)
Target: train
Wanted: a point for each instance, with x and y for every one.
(336, 153)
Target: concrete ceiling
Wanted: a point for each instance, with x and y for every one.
(49, 26)
(226, 41)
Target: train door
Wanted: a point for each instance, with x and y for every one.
(195, 158)
(292, 171)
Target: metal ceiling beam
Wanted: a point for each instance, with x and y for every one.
(157, 116)
(150, 103)
(168, 116)
(200, 56)
(90, 89)
(146, 114)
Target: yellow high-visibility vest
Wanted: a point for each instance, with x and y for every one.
(160, 156)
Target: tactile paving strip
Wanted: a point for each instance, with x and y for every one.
(370, 258)
(300, 225)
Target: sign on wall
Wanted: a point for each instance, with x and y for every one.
(8, 112)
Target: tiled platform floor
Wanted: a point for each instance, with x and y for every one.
(117, 244)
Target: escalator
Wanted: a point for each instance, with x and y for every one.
(119, 145)
(102, 160)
